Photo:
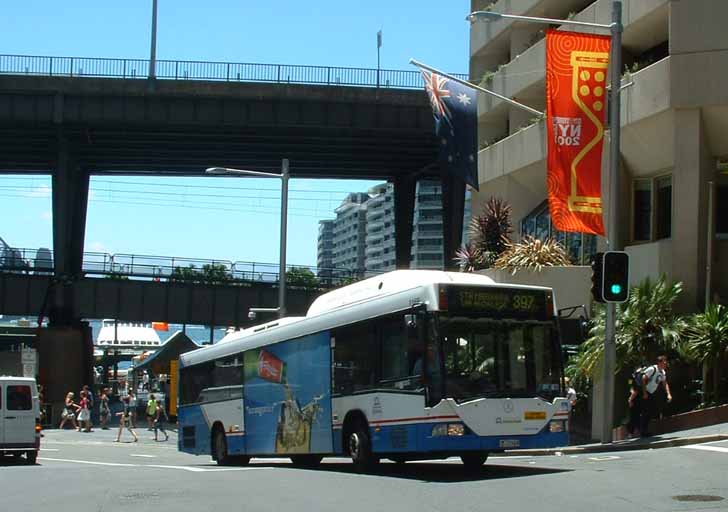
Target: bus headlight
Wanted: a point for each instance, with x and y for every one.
(448, 429)
(556, 426)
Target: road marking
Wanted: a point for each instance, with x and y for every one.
(708, 448)
(49, 449)
(142, 455)
(158, 466)
(605, 457)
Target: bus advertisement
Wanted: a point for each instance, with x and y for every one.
(409, 365)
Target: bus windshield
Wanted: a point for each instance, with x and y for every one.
(499, 358)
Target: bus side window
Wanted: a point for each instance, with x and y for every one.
(355, 358)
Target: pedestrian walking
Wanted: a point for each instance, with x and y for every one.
(104, 409)
(160, 418)
(125, 420)
(91, 402)
(69, 411)
(132, 406)
(151, 411)
(652, 378)
(84, 413)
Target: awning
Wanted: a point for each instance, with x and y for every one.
(158, 363)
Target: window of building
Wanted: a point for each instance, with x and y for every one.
(652, 209)
(642, 217)
(663, 213)
(579, 246)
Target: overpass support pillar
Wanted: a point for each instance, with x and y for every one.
(70, 199)
(404, 211)
(453, 209)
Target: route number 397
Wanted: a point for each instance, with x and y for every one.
(523, 302)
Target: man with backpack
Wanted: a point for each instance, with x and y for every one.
(650, 380)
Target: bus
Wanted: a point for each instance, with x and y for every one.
(408, 365)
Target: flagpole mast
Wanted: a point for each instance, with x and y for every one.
(478, 88)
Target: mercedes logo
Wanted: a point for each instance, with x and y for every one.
(508, 406)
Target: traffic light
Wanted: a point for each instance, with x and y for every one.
(597, 265)
(615, 276)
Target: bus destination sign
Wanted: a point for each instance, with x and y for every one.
(498, 302)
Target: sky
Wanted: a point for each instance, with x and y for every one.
(235, 219)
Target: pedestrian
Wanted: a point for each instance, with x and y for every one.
(132, 406)
(104, 409)
(634, 401)
(90, 397)
(125, 420)
(69, 411)
(652, 378)
(84, 413)
(570, 392)
(151, 411)
(160, 418)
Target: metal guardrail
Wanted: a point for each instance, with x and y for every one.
(169, 268)
(218, 71)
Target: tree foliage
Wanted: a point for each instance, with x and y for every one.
(646, 326)
(533, 253)
(707, 343)
(301, 277)
(490, 235)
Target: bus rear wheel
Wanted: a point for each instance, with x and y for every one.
(360, 448)
(219, 448)
(474, 460)
(306, 461)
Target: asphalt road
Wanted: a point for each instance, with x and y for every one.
(88, 471)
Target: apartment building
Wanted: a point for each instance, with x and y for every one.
(325, 252)
(349, 232)
(379, 252)
(673, 203)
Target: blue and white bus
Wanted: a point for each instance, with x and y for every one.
(412, 364)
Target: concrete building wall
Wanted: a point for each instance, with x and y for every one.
(674, 126)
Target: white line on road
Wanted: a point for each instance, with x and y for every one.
(708, 448)
(159, 466)
(605, 457)
(49, 449)
(142, 455)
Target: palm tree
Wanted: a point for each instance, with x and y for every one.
(490, 234)
(707, 343)
(532, 253)
(646, 327)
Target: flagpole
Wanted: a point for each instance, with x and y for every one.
(478, 88)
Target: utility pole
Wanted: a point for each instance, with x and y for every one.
(153, 51)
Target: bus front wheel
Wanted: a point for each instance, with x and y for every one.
(474, 460)
(360, 448)
(219, 448)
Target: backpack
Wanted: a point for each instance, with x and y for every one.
(638, 375)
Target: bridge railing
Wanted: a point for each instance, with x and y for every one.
(217, 71)
(170, 268)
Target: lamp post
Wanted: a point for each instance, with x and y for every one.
(615, 28)
(283, 176)
(153, 50)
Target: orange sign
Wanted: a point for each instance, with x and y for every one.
(576, 101)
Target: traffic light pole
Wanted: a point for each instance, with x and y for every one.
(610, 352)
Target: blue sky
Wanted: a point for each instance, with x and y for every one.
(222, 218)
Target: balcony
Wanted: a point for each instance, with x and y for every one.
(524, 77)
(646, 125)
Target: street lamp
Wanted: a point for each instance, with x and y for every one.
(283, 176)
(615, 29)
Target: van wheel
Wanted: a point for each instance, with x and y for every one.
(31, 457)
(306, 461)
(474, 460)
(219, 448)
(360, 448)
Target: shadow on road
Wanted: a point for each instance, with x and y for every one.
(427, 471)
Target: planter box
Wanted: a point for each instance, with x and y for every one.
(692, 419)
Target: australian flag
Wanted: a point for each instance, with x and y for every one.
(455, 108)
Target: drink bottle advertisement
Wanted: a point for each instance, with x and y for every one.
(288, 397)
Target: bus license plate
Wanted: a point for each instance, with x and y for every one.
(510, 443)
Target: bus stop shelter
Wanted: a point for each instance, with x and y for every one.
(165, 362)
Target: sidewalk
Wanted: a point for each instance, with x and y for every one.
(707, 434)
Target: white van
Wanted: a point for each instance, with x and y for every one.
(19, 417)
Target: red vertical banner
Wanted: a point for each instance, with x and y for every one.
(576, 106)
